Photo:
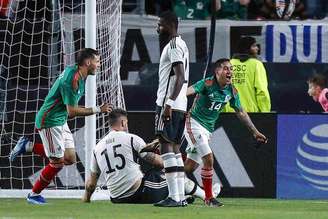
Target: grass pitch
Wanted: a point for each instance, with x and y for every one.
(233, 208)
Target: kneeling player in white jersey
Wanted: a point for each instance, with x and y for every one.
(117, 156)
(213, 93)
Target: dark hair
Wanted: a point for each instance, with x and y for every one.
(115, 115)
(318, 79)
(218, 63)
(244, 44)
(170, 18)
(84, 54)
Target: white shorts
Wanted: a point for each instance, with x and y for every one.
(56, 139)
(198, 140)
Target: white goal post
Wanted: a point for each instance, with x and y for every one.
(37, 40)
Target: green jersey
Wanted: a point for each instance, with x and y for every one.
(67, 90)
(210, 101)
(192, 9)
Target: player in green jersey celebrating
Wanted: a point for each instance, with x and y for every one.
(213, 93)
(51, 121)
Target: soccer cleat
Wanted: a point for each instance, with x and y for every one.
(168, 202)
(190, 199)
(212, 202)
(184, 203)
(19, 148)
(36, 199)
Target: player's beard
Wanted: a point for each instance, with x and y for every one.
(164, 38)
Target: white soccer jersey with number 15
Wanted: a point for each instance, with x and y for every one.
(176, 51)
(115, 156)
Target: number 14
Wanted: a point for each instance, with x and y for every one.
(215, 106)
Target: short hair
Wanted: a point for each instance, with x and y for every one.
(218, 63)
(86, 53)
(318, 79)
(169, 17)
(115, 115)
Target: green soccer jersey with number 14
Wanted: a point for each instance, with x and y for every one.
(210, 101)
(53, 112)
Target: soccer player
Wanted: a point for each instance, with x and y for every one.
(118, 155)
(213, 93)
(171, 105)
(318, 90)
(51, 121)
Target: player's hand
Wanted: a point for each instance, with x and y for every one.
(151, 147)
(106, 108)
(260, 138)
(167, 114)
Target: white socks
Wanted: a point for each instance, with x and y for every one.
(180, 177)
(170, 166)
(191, 188)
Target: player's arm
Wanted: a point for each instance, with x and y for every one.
(244, 118)
(92, 180)
(83, 111)
(179, 73)
(90, 186)
(176, 58)
(191, 91)
(144, 151)
(153, 159)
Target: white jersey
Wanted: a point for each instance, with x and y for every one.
(115, 156)
(176, 51)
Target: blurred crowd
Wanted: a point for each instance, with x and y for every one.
(241, 9)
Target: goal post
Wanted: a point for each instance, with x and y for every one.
(38, 39)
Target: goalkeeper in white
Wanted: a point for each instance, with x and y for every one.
(117, 156)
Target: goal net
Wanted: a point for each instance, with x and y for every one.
(38, 38)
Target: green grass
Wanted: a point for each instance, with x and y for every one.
(234, 208)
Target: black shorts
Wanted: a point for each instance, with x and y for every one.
(172, 130)
(152, 189)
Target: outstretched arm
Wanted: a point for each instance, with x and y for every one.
(82, 111)
(191, 91)
(244, 118)
(90, 186)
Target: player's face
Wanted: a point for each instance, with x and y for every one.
(314, 91)
(224, 73)
(162, 27)
(94, 64)
(254, 50)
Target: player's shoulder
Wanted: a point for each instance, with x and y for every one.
(136, 138)
(67, 76)
(177, 42)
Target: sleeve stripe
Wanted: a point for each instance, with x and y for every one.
(173, 43)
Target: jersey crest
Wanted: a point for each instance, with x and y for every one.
(209, 82)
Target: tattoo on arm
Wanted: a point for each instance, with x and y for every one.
(149, 157)
(153, 159)
(244, 118)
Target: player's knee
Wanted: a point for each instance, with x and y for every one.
(208, 160)
(190, 166)
(57, 163)
(70, 161)
(70, 157)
